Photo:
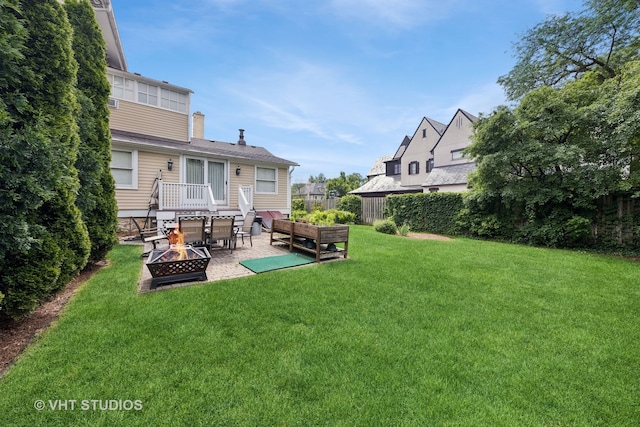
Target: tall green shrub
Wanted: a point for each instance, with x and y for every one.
(39, 148)
(298, 205)
(96, 199)
(352, 203)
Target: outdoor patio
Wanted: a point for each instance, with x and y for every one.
(223, 264)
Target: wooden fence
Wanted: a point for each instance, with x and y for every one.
(373, 209)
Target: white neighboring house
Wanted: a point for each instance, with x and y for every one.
(451, 168)
(430, 161)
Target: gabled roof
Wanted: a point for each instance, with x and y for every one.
(314, 188)
(403, 147)
(379, 167)
(449, 175)
(226, 150)
(437, 126)
(468, 115)
(381, 184)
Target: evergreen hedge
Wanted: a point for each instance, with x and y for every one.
(96, 199)
(426, 212)
(45, 239)
(352, 203)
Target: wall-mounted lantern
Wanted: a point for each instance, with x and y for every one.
(237, 170)
(170, 164)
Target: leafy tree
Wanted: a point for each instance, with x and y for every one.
(320, 179)
(601, 39)
(544, 165)
(96, 198)
(344, 183)
(39, 147)
(297, 190)
(548, 160)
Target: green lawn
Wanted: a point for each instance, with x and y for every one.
(406, 332)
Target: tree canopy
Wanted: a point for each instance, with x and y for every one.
(600, 39)
(344, 183)
(573, 137)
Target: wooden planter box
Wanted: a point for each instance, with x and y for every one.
(295, 234)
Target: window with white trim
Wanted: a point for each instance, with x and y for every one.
(122, 87)
(173, 100)
(266, 180)
(124, 168)
(147, 93)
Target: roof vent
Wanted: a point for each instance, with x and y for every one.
(241, 141)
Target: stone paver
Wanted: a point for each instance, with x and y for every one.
(223, 264)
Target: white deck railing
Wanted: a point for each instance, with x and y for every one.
(245, 198)
(196, 197)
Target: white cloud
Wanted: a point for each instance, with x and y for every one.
(306, 97)
(397, 13)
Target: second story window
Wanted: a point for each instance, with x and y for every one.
(122, 87)
(414, 168)
(457, 154)
(429, 165)
(174, 100)
(396, 169)
(147, 94)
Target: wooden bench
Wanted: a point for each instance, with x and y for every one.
(299, 234)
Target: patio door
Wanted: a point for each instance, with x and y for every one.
(194, 175)
(203, 171)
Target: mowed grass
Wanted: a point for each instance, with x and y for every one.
(405, 332)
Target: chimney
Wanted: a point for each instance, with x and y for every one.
(241, 141)
(198, 125)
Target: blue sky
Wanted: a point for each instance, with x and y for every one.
(329, 84)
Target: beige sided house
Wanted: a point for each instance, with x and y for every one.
(160, 169)
(450, 167)
(430, 161)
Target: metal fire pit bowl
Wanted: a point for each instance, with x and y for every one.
(166, 268)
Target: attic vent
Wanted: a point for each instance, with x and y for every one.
(112, 103)
(241, 141)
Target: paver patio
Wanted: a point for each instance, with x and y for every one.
(223, 264)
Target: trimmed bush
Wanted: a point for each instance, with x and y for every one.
(386, 226)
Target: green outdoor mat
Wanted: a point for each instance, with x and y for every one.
(260, 265)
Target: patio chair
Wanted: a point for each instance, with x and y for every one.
(193, 230)
(222, 229)
(151, 235)
(245, 229)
